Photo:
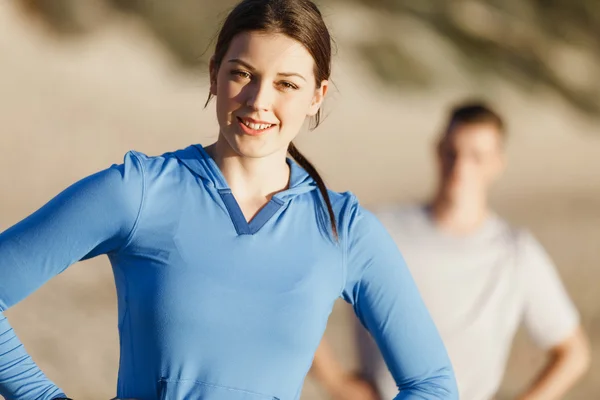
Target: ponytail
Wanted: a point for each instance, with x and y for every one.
(312, 171)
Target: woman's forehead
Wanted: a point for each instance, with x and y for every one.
(271, 52)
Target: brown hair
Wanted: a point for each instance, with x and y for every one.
(300, 20)
(475, 112)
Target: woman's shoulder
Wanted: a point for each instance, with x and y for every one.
(349, 211)
(154, 161)
(162, 164)
(343, 202)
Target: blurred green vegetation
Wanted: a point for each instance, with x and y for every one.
(534, 43)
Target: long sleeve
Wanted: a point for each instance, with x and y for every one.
(96, 215)
(386, 300)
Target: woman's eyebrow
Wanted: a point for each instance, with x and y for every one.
(251, 68)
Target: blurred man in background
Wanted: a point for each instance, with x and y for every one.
(479, 277)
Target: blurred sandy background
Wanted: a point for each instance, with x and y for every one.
(71, 104)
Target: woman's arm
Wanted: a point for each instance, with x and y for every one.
(387, 302)
(94, 216)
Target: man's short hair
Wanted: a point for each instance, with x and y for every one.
(474, 112)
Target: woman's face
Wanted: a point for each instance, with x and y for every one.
(265, 88)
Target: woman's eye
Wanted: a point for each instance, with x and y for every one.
(288, 85)
(241, 74)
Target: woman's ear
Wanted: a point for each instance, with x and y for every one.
(214, 71)
(318, 98)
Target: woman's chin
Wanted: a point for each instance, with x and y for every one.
(253, 148)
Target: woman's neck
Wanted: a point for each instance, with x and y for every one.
(251, 179)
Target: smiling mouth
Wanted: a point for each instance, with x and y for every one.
(255, 126)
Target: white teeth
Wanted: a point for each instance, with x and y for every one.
(256, 126)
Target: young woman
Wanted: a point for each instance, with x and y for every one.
(228, 259)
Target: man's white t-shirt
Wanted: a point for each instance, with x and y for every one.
(478, 289)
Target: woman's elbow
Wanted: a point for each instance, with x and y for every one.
(440, 384)
(446, 384)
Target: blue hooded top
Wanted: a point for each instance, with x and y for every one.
(210, 306)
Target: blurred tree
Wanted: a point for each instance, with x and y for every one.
(534, 43)
(67, 17)
(550, 43)
(187, 27)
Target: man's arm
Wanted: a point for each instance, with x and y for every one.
(339, 383)
(553, 323)
(568, 361)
